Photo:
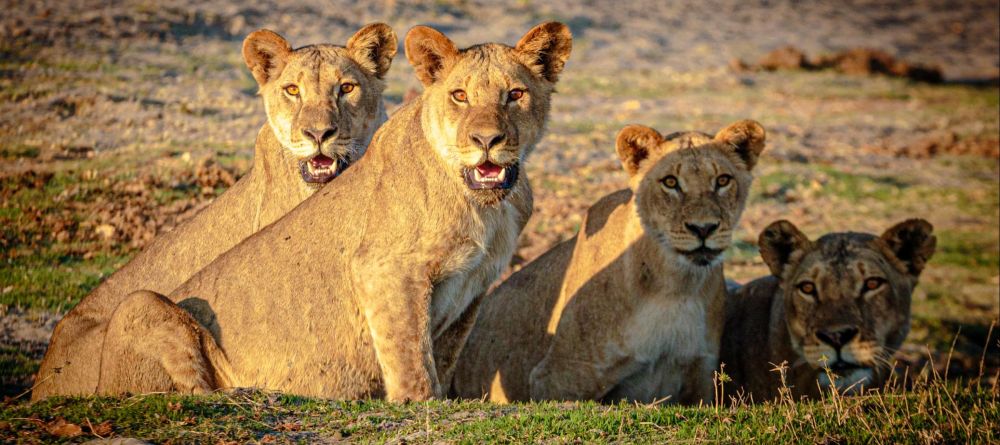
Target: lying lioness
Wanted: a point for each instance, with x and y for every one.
(324, 103)
(361, 290)
(835, 307)
(630, 308)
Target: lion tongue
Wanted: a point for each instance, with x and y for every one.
(321, 161)
(489, 170)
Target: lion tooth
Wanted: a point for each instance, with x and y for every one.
(502, 175)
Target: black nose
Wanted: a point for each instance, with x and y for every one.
(701, 230)
(487, 141)
(319, 135)
(838, 336)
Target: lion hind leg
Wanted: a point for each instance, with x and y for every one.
(152, 345)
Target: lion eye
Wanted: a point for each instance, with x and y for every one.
(346, 88)
(670, 182)
(292, 90)
(515, 95)
(722, 181)
(459, 96)
(873, 283)
(808, 288)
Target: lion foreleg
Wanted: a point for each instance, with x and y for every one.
(397, 309)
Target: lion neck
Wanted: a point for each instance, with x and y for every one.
(276, 177)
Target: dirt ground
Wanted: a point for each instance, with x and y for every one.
(117, 122)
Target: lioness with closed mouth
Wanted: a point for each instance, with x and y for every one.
(632, 306)
(363, 290)
(837, 307)
(324, 103)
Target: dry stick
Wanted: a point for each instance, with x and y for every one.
(982, 360)
(947, 364)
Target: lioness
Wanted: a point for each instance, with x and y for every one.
(363, 289)
(324, 103)
(630, 308)
(840, 303)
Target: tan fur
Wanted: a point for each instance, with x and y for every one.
(771, 321)
(273, 187)
(363, 290)
(619, 311)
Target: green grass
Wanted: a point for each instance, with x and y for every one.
(53, 281)
(937, 412)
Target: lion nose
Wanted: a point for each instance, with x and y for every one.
(319, 135)
(487, 141)
(838, 336)
(701, 230)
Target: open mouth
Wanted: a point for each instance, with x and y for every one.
(702, 256)
(319, 169)
(488, 176)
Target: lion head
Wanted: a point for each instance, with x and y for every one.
(485, 107)
(847, 295)
(690, 188)
(323, 102)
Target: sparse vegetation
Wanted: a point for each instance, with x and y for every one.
(116, 121)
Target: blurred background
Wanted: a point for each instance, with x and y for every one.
(120, 119)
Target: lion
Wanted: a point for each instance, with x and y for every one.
(323, 103)
(631, 307)
(364, 289)
(830, 316)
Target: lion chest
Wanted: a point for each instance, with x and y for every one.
(474, 264)
(664, 336)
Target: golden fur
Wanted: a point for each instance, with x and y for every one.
(363, 290)
(275, 185)
(842, 324)
(630, 308)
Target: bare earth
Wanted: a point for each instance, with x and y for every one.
(116, 122)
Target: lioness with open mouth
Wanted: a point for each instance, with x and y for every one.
(324, 103)
(363, 290)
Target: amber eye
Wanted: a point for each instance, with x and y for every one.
(292, 90)
(459, 96)
(873, 283)
(670, 182)
(346, 88)
(808, 288)
(722, 181)
(515, 95)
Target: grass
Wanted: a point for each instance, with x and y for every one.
(933, 412)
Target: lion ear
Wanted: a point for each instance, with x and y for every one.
(913, 242)
(545, 49)
(747, 138)
(373, 47)
(265, 53)
(778, 242)
(430, 53)
(635, 144)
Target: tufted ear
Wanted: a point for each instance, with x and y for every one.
(430, 53)
(373, 47)
(265, 53)
(634, 145)
(777, 244)
(545, 49)
(913, 242)
(747, 138)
